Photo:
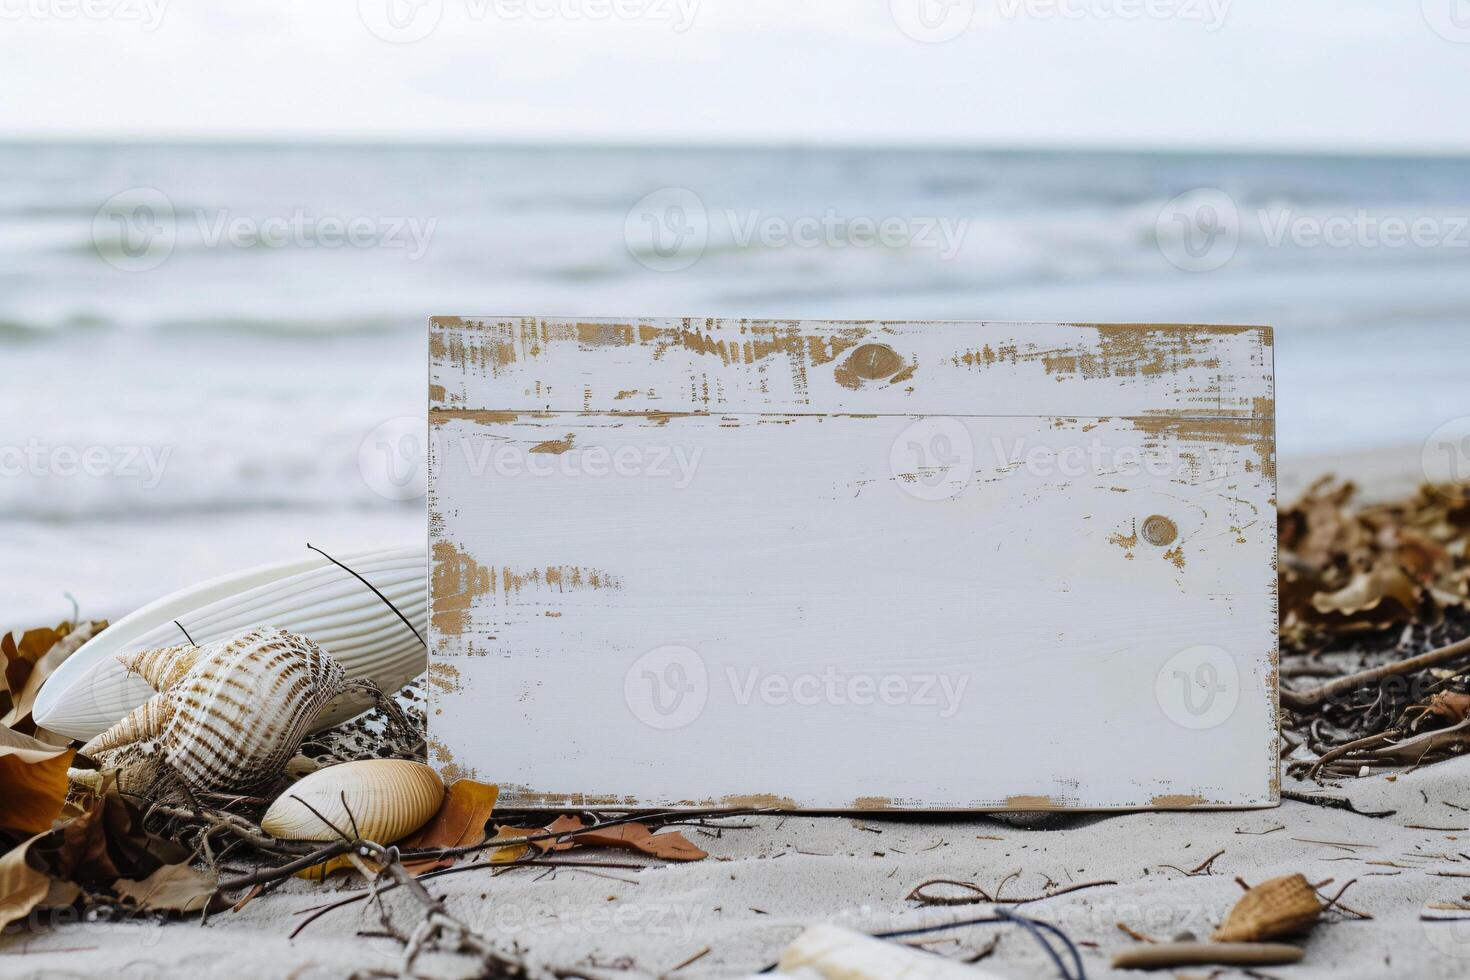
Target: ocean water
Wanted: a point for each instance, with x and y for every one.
(204, 347)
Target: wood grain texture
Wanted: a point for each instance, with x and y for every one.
(853, 566)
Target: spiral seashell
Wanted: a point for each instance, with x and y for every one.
(235, 712)
(139, 730)
(310, 596)
(1278, 907)
(381, 800)
(161, 668)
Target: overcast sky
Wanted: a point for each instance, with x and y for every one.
(1388, 75)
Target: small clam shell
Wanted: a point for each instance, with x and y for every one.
(1278, 907)
(386, 800)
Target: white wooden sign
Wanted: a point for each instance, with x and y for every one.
(836, 566)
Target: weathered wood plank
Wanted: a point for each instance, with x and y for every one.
(830, 608)
(529, 363)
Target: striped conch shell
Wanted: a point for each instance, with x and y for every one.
(228, 715)
(380, 800)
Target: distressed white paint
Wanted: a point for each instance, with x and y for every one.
(928, 593)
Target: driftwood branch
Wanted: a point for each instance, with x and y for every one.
(1308, 700)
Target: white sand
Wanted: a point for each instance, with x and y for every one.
(797, 870)
(762, 885)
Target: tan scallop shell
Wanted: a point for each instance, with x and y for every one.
(385, 800)
(1278, 907)
(229, 715)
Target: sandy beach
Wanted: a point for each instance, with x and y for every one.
(762, 885)
(768, 876)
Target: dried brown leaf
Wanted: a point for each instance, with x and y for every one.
(670, 845)
(461, 821)
(172, 888)
(24, 888)
(67, 640)
(1368, 591)
(32, 782)
(1451, 706)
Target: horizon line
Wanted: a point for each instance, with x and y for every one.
(368, 142)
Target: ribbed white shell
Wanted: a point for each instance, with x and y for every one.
(388, 799)
(91, 691)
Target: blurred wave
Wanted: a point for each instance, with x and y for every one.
(262, 310)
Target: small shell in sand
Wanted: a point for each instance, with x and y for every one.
(381, 800)
(1278, 907)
